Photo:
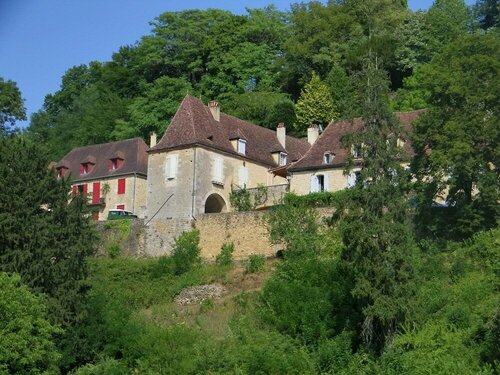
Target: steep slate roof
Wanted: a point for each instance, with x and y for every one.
(330, 141)
(132, 151)
(193, 124)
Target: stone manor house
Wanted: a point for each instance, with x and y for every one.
(202, 156)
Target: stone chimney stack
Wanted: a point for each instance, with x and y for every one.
(281, 134)
(152, 139)
(312, 134)
(214, 109)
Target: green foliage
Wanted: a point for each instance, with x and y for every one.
(11, 105)
(375, 228)
(27, 345)
(103, 367)
(315, 105)
(320, 199)
(262, 108)
(225, 257)
(461, 128)
(44, 238)
(113, 250)
(243, 199)
(255, 263)
(186, 252)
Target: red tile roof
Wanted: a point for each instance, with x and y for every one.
(193, 124)
(132, 151)
(330, 141)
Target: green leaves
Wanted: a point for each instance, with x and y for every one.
(315, 105)
(11, 105)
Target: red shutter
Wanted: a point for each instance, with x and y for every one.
(74, 190)
(120, 207)
(84, 190)
(89, 167)
(110, 165)
(82, 169)
(96, 192)
(119, 163)
(121, 186)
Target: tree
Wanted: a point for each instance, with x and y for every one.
(456, 141)
(315, 105)
(375, 226)
(11, 105)
(343, 91)
(445, 21)
(487, 14)
(43, 237)
(27, 345)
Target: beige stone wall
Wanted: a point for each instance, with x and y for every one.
(194, 181)
(246, 230)
(134, 198)
(300, 182)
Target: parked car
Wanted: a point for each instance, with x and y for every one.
(120, 214)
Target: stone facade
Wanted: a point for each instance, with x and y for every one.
(197, 183)
(133, 199)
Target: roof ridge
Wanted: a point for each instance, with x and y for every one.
(107, 143)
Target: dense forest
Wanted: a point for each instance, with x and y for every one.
(389, 283)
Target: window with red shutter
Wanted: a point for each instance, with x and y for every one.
(121, 186)
(96, 192)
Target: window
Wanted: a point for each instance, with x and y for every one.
(171, 167)
(356, 151)
(61, 172)
(218, 171)
(120, 207)
(283, 158)
(121, 186)
(319, 183)
(114, 164)
(353, 178)
(243, 177)
(96, 192)
(86, 168)
(82, 189)
(328, 157)
(242, 146)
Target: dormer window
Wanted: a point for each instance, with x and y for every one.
(242, 146)
(86, 168)
(283, 158)
(357, 151)
(115, 163)
(328, 157)
(62, 172)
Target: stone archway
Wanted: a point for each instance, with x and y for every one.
(214, 204)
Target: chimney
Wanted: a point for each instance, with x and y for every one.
(152, 139)
(214, 109)
(312, 134)
(281, 134)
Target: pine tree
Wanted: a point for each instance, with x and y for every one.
(43, 237)
(375, 225)
(315, 105)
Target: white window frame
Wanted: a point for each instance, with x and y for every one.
(283, 158)
(218, 170)
(328, 157)
(241, 146)
(171, 167)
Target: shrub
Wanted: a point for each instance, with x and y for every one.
(186, 252)
(113, 250)
(255, 263)
(321, 199)
(225, 257)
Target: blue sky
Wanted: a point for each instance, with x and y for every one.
(41, 39)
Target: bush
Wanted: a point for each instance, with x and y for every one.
(113, 250)
(186, 252)
(321, 199)
(255, 263)
(225, 257)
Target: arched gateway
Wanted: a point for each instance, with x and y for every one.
(214, 204)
